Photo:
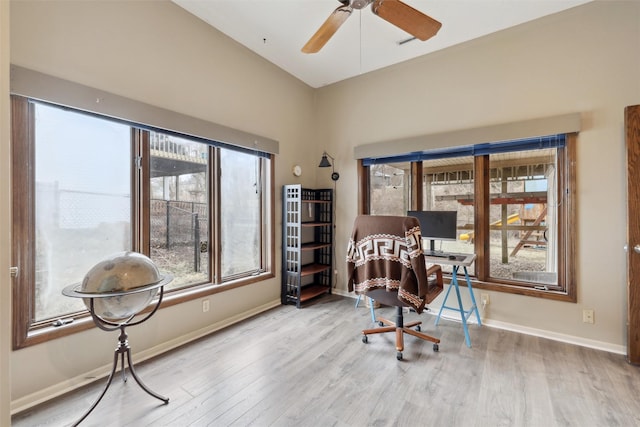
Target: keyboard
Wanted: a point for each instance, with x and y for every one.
(436, 254)
(445, 255)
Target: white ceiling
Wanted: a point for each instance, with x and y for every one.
(277, 30)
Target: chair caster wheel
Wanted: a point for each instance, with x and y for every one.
(436, 347)
(418, 328)
(399, 355)
(365, 339)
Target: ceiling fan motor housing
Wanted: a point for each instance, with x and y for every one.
(359, 4)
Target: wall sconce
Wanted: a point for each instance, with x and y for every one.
(324, 163)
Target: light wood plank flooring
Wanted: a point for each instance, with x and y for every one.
(309, 367)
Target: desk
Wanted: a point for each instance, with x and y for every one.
(462, 260)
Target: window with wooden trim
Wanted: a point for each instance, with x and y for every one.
(86, 186)
(513, 201)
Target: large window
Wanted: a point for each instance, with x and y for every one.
(513, 202)
(81, 207)
(179, 208)
(86, 186)
(523, 217)
(240, 216)
(447, 185)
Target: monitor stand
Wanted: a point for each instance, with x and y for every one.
(432, 248)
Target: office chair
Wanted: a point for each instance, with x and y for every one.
(385, 262)
(434, 276)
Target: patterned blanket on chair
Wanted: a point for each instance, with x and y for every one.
(385, 252)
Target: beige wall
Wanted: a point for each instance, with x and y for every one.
(584, 60)
(157, 53)
(5, 220)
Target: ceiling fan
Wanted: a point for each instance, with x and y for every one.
(400, 14)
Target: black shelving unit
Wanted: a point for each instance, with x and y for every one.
(307, 243)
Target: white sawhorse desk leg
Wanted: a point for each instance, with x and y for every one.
(464, 314)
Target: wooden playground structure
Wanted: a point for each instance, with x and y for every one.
(533, 235)
(530, 221)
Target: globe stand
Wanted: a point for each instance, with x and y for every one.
(122, 350)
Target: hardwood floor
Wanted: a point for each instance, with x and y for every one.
(309, 367)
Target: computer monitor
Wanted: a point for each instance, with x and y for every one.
(437, 225)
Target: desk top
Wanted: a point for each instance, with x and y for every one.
(464, 260)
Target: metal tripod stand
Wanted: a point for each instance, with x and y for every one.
(122, 350)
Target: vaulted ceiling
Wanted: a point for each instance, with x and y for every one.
(277, 30)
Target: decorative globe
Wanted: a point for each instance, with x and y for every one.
(123, 274)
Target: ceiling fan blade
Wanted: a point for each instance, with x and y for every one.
(405, 17)
(327, 29)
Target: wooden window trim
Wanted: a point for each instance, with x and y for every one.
(27, 332)
(567, 223)
(216, 202)
(415, 184)
(481, 180)
(141, 192)
(23, 211)
(364, 200)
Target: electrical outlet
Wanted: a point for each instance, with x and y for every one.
(484, 299)
(205, 306)
(587, 316)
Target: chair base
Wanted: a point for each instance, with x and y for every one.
(400, 329)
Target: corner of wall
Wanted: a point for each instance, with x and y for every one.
(5, 237)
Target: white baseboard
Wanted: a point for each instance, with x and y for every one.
(71, 384)
(569, 339)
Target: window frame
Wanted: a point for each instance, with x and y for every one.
(566, 170)
(26, 330)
